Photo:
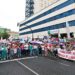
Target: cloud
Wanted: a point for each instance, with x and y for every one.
(11, 12)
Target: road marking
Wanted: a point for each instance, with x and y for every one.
(6, 61)
(28, 68)
(59, 62)
(64, 64)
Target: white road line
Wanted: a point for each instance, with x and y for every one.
(59, 62)
(6, 61)
(28, 68)
(64, 64)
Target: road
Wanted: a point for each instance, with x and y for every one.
(38, 66)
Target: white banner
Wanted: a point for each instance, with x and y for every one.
(67, 54)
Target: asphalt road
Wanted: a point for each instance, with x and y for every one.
(38, 66)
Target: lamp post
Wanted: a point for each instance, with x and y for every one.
(31, 32)
(18, 24)
(67, 30)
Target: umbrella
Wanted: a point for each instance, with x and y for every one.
(36, 42)
(39, 42)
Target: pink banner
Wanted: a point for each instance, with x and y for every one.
(67, 54)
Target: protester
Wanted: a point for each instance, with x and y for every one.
(26, 49)
(40, 49)
(30, 48)
(15, 51)
(11, 52)
(18, 51)
(55, 50)
(35, 50)
(4, 53)
(22, 48)
(46, 49)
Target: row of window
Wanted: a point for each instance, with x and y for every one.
(68, 2)
(62, 15)
(57, 26)
(29, 8)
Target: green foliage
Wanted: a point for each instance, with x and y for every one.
(4, 35)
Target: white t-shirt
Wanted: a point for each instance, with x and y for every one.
(15, 50)
(26, 47)
(35, 47)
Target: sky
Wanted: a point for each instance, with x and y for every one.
(11, 12)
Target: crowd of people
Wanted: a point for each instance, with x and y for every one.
(18, 50)
(11, 51)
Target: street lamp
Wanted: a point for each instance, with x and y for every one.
(67, 29)
(18, 24)
(31, 32)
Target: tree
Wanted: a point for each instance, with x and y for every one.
(5, 35)
(0, 35)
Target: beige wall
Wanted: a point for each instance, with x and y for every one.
(41, 4)
(54, 22)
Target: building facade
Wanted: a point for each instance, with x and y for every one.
(35, 6)
(42, 4)
(59, 17)
(29, 8)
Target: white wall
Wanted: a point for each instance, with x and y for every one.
(58, 21)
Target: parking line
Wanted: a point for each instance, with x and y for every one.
(64, 64)
(6, 61)
(28, 68)
(59, 62)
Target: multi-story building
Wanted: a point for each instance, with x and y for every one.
(41, 4)
(59, 17)
(29, 8)
(34, 6)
